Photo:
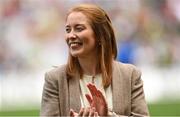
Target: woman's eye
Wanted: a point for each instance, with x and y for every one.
(68, 30)
(79, 29)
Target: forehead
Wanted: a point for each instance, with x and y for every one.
(76, 18)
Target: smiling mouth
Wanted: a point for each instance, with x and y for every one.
(75, 44)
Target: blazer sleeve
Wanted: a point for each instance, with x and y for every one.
(50, 97)
(138, 103)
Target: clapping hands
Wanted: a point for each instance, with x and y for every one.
(98, 105)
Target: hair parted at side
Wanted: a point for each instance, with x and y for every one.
(105, 38)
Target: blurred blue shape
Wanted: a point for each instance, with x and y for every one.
(126, 51)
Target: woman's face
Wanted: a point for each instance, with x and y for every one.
(80, 36)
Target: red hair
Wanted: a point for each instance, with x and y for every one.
(104, 33)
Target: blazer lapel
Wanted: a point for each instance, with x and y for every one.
(117, 89)
(74, 93)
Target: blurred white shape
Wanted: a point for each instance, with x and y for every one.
(161, 84)
(153, 83)
(19, 90)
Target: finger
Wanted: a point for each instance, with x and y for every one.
(97, 93)
(86, 111)
(102, 99)
(95, 90)
(92, 88)
(100, 95)
(72, 113)
(81, 112)
(89, 98)
(96, 114)
(92, 111)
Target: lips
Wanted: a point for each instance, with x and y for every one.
(75, 44)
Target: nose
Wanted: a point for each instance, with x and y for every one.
(71, 35)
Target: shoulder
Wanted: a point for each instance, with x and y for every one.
(56, 72)
(125, 66)
(126, 69)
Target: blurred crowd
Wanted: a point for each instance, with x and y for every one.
(32, 41)
(32, 32)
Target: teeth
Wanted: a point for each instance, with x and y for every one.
(75, 43)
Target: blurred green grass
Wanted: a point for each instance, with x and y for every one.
(157, 109)
(160, 109)
(34, 112)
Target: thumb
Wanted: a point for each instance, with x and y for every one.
(72, 113)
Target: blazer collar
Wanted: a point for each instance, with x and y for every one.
(117, 88)
(74, 90)
(74, 93)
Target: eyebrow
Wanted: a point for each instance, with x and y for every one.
(75, 25)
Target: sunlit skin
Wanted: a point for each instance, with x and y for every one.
(80, 36)
(97, 100)
(97, 103)
(81, 41)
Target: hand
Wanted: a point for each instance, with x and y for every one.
(97, 100)
(84, 112)
(73, 113)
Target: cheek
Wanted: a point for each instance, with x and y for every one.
(92, 39)
(91, 42)
(88, 35)
(66, 37)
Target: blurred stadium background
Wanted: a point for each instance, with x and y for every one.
(32, 42)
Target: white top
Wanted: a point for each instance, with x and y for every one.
(98, 83)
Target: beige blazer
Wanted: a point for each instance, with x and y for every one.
(61, 93)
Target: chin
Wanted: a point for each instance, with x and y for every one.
(75, 54)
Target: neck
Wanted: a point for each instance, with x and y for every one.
(89, 65)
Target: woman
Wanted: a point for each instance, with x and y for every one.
(92, 83)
